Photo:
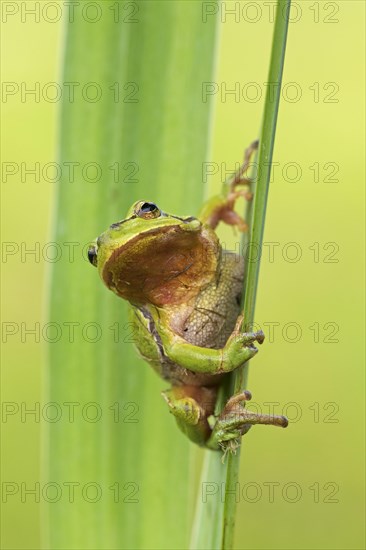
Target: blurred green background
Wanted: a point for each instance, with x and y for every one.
(301, 487)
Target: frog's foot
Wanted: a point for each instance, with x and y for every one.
(235, 421)
(191, 406)
(221, 208)
(240, 347)
(248, 337)
(226, 213)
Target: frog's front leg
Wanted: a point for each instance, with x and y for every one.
(238, 349)
(221, 207)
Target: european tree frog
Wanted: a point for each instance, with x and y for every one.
(185, 293)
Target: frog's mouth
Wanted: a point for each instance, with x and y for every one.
(163, 266)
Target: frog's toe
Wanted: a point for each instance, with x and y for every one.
(250, 337)
(185, 408)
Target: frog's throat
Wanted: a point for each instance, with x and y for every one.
(163, 266)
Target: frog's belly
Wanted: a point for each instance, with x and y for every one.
(178, 375)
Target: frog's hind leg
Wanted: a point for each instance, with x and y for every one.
(191, 406)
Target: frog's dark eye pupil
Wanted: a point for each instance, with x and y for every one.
(148, 207)
(92, 256)
(147, 210)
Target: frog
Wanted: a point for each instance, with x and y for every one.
(185, 290)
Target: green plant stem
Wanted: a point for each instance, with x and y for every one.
(148, 136)
(240, 377)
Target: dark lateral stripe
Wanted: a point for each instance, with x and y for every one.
(164, 360)
(184, 219)
(118, 224)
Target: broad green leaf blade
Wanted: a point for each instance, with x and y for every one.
(139, 131)
(208, 521)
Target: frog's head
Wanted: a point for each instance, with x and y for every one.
(154, 257)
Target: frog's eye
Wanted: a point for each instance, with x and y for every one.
(92, 255)
(147, 210)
